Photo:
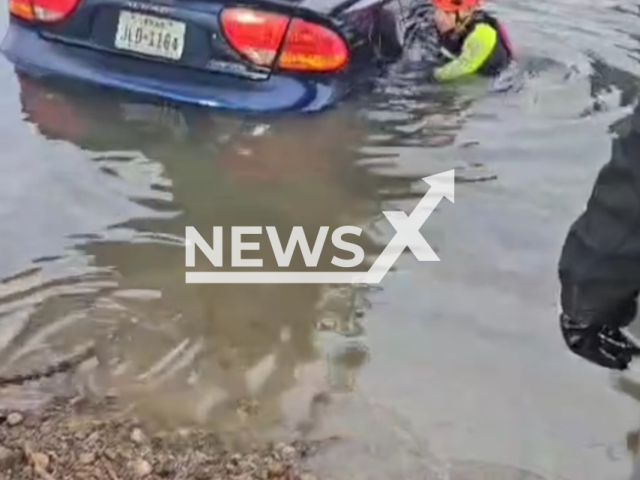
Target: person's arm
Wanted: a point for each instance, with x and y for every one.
(599, 267)
(476, 50)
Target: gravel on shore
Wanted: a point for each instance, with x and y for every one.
(97, 440)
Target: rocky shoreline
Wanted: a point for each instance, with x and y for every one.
(73, 439)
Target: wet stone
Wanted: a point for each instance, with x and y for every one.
(276, 468)
(288, 453)
(110, 454)
(40, 460)
(87, 458)
(141, 468)
(137, 436)
(7, 456)
(15, 418)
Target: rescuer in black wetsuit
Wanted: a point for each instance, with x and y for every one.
(599, 266)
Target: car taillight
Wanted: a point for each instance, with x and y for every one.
(308, 47)
(22, 9)
(47, 11)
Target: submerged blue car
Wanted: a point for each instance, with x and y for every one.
(258, 56)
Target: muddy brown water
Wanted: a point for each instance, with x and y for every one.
(451, 370)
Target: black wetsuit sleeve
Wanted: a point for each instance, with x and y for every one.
(600, 261)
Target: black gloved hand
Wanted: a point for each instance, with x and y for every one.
(601, 344)
(592, 319)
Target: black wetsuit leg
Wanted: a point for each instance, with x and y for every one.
(599, 266)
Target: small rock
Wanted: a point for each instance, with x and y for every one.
(247, 407)
(166, 471)
(137, 436)
(201, 475)
(15, 418)
(276, 468)
(110, 454)
(308, 476)
(327, 324)
(87, 458)
(5, 452)
(6, 456)
(288, 452)
(40, 460)
(53, 457)
(141, 468)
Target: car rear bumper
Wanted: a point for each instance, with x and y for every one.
(36, 56)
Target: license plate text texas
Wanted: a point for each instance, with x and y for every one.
(150, 35)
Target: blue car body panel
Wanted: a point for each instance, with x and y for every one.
(33, 55)
(209, 71)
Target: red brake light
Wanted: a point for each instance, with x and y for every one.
(307, 47)
(256, 35)
(47, 11)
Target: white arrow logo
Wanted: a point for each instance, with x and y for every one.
(408, 227)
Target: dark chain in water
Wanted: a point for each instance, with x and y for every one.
(59, 367)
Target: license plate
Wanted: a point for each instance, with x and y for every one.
(149, 35)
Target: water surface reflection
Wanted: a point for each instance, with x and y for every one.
(223, 354)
